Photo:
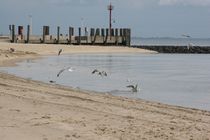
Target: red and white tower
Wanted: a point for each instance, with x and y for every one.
(110, 7)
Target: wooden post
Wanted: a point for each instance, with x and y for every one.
(112, 32)
(124, 37)
(20, 32)
(58, 35)
(92, 34)
(10, 32)
(121, 32)
(79, 38)
(86, 34)
(116, 36)
(107, 35)
(47, 30)
(44, 32)
(102, 34)
(13, 33)
(28, 34)
(70, 35)
(128, 37)
(97, 33)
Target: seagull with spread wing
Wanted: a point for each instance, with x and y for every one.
(101, 73)
(62, 70)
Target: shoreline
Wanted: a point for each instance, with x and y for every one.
(36, 110)
(25, 51)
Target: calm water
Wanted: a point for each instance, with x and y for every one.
(171, 41)
(175, 79)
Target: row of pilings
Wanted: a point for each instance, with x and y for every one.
(85, 36)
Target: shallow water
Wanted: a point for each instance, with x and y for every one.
(176, 79)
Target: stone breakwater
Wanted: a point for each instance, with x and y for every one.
(176, 49)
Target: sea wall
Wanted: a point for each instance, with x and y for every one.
(175, 49)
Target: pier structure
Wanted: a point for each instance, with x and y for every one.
(176, 49)
(74, 36)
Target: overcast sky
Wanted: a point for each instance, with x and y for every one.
(146, 18)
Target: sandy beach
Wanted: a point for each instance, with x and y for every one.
(33, 110)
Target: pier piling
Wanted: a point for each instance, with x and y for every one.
(28, 34)
(13, 33)
(92, 35)
(58, 35)
(116, 36)
(79, 37)
(128, 37)
(71, 33)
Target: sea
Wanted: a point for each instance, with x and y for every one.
(175, 79)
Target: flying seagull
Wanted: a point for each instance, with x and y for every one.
(184, 35)
(101, 73)
(62, 70)
(134, 88)
(60, 52)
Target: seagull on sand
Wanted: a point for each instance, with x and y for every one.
(11, 50)
(62, 70)
(60, 52)
(134, 88)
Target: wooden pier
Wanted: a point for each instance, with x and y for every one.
(98, 36)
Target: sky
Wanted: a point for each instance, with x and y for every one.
(146, 18)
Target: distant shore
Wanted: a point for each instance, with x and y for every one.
(36, 110)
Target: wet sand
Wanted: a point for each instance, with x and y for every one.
(32, 110)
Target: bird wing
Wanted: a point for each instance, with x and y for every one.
(104, 73)
(130, 86)
(95, 71)
(60, 72)
(59, 51)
